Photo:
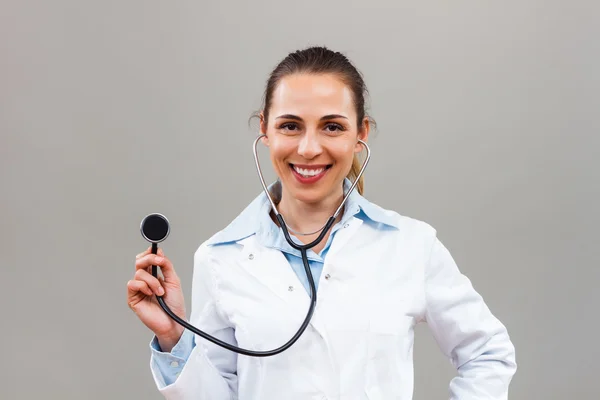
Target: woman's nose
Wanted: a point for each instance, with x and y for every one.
(309, 146)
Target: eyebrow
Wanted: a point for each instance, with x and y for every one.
(324, 118)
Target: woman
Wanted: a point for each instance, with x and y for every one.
(378, 273)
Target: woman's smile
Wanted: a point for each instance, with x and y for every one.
(308, 174)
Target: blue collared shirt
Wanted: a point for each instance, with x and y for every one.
(255, 220)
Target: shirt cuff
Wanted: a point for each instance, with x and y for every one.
(170, 364)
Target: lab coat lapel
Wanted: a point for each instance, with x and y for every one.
(343, 236)
(271, 268)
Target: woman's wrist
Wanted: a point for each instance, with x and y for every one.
(167, 342)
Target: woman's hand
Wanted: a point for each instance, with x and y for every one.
(141, 291)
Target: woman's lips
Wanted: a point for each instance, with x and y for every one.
(308, 174)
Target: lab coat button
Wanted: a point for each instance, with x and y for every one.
(346, 225)
(174, 364)
(251, 256)
(327, 276)
(291, 288)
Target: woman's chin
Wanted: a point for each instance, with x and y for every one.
(312, 196)
(308, 193)
(307, 196)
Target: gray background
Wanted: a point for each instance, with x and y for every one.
(109, 110)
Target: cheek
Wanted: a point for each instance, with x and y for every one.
(279, 150)
(345, 153)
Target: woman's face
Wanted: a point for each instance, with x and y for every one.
(312, 135)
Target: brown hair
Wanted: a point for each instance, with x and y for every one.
(321, 60)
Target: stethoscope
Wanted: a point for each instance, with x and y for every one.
(155, 229)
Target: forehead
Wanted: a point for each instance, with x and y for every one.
(312, 95)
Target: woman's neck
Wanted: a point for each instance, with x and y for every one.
(308, 217)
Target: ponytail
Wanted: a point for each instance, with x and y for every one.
(354, 171)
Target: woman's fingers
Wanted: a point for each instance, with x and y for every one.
(134, 286)
(143, 253)
(149, 251)
(152, 282)
(163, 262)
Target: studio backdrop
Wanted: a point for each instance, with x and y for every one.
(487, 129)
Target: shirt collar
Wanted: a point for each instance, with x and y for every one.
(255, 216)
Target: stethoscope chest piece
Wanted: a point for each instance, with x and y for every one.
(155, 228)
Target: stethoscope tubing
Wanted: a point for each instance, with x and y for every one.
(302, 248)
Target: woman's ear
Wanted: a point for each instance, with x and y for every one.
(263, 129)
(363, 135)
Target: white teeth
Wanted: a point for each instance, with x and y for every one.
(308, 172)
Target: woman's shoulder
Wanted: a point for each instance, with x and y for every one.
(402, 223)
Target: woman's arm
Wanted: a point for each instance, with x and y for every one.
(167, 365)
(477, 343)
(210, 372)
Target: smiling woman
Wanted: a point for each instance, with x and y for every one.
(313, 116)
(377, 273)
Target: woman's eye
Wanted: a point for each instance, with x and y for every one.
(289, 126)
(334, 128)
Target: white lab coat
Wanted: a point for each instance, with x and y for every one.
(375, 286)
